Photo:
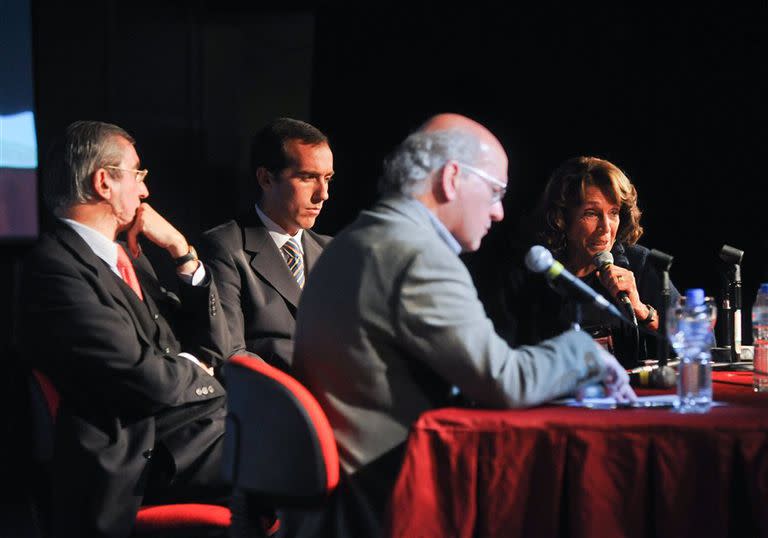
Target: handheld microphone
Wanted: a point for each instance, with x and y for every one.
(602, 260)
(540, 260)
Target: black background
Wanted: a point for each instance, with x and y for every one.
(674, 96)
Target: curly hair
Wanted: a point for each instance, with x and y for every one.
(566, 190)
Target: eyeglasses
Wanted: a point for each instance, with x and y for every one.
(499, 187)
(140, 174)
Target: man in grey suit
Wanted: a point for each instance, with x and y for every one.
(390, 320)
(260, 260)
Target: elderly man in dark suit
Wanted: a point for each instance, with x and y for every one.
(141, 416)
(260, 260)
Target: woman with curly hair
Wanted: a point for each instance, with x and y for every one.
(589, 206)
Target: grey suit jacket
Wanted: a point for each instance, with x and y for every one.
(390, 319)
(257, 291)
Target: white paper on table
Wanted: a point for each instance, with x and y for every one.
(642, 402)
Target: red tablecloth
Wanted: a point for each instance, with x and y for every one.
(561, 471)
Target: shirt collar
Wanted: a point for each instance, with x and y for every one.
(439, 227)
(101, 245)
(278, 235)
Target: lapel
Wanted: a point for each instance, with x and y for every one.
(267, 262)
(312, 251)
(113, 284)
(149, 286)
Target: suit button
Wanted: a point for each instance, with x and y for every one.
(162, 289)
(167, 350)
(199, 391)
(204, 390)
(210, 389)
(155, 316)
(147, 454)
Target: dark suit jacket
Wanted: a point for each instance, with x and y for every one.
(258, 293)
(128, 398)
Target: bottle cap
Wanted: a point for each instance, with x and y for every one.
(694, 297)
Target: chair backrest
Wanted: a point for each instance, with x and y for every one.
(278, 442)
(44, 406)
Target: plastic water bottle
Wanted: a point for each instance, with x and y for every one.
(693, 339)
(760, 339)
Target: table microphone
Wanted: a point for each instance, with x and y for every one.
(732, 256)
(655, 376)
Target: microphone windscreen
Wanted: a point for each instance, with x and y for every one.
(601, 259)
(538, 259)
(731, 254)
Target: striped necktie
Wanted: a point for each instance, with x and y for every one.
(125, 267)
(294, 259)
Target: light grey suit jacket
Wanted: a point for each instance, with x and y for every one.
(258, 294)
(391, 319)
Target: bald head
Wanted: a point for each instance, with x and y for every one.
(449, 121)
(457, 169)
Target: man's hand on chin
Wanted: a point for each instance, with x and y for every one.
(154, 227)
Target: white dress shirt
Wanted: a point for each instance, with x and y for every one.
(278, 235)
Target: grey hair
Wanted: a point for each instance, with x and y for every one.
(412, 164)
(72, 161)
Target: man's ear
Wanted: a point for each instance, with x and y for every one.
(264, 178)
(447, 184)
(102, 183)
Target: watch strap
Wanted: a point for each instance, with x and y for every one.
(189, 256)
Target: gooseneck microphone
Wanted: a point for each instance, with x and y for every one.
(731, 307)
(664, 374)
(540, 260)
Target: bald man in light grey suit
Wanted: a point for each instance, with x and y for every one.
(391, 320)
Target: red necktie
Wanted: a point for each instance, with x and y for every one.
(125, 267)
